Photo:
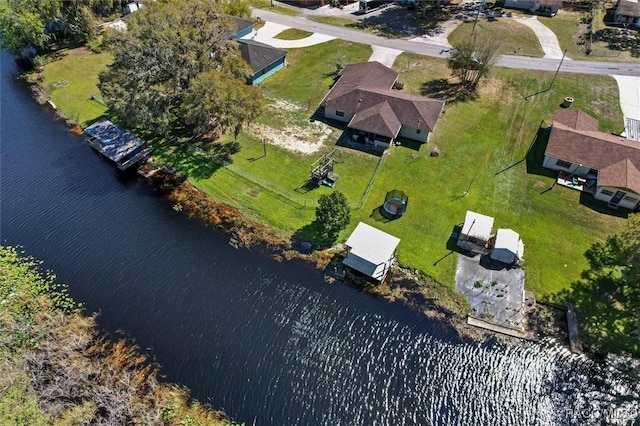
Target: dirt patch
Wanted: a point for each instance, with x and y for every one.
(491, 88)
(296, 138)
(79, 51)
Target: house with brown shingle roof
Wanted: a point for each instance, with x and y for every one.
(627, 12)
(363, 97)
(606, 163)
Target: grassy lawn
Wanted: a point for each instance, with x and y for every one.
(477, 140)
(275, 7)
(483, 151)
(515, 38)
(607, 45)
(307, 78)
(293, 34)
(74, 80)
(355, 24)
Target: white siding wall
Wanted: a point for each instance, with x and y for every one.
(331, 113)
(550, 163)
(611, 192)
(411, 133)
(519, 4)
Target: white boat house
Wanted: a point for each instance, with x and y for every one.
(508, 247)
(371, 251)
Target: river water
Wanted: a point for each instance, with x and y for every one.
(268, 342)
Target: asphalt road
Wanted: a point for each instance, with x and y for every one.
(426, 49)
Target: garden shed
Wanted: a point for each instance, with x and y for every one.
(476, 232)
(371, 251)
(508, 247)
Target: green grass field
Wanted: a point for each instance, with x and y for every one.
(73, 80)
(515, 38)
(566, 25)
(486, 150)
(293, 34)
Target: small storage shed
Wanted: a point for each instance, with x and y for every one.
(476, 232)
(371, 251)
(508, 247)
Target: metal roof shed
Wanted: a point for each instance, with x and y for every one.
(508, 247)
(371, 251)
(477, 226)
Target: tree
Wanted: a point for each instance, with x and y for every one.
(333, 214)
(35, 23)
(473, 59)
(216, 102)
(607, 298)
(175, 65)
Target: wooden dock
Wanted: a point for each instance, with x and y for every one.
(572, 329)
(476, 322)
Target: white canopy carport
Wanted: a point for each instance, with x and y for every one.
(371, 251)
(477, 226)
(508, 247)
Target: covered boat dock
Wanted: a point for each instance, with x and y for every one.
(123, 148)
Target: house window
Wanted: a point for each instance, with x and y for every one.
(339, 113)
(563, 164)
(593, 172)
(418, 131)
(605, 192)
(631, 199)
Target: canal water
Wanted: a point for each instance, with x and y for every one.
(268, 342)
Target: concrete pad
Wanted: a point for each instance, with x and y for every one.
(384, 55)
(494, 291)
(265, 35)
(546, 37)
(629, 88)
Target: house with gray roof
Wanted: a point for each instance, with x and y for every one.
(263, 59)
(363, 96)
(606, 165)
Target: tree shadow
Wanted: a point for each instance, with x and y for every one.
(314, 234)
(451, 92)
(193, 164)
(619, 39)
(606, 323)
(405, 23)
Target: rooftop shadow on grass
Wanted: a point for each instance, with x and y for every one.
(535, 154)
(589, 201)
(448, 91)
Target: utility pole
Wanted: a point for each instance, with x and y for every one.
(475, 22)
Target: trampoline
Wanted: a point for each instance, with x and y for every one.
(395, 203)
